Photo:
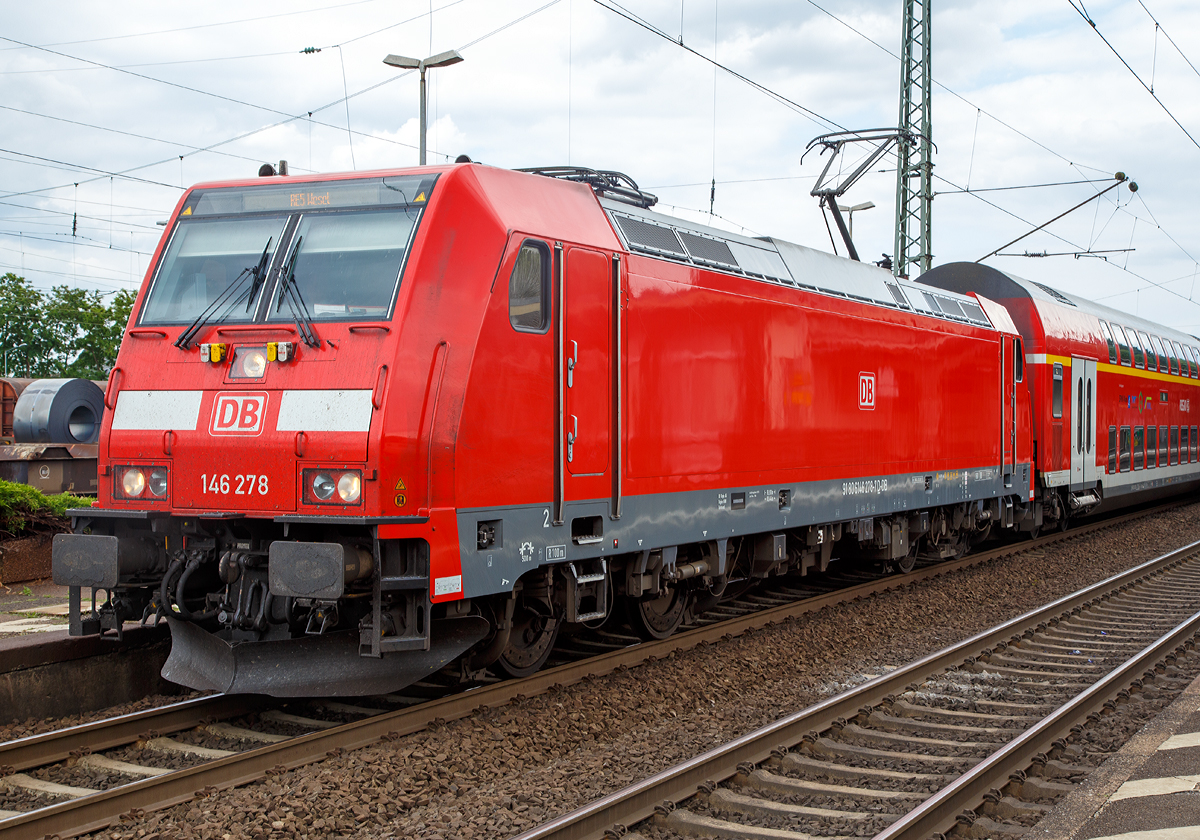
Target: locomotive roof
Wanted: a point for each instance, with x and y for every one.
(780, 262)
(997, 285)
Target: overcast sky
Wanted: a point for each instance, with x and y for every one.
(110, 109)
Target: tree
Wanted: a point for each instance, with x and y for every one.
(67, 333)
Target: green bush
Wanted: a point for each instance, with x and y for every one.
(23, 508)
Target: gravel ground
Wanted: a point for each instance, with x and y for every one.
(504, 770)
(36, 726)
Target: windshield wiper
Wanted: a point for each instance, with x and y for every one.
(258, 272)
(288, 290)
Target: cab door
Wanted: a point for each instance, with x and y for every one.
(586, 368)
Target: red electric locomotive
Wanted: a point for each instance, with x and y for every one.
(1113, 424)
(368, 426)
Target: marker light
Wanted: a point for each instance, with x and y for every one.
(323, 486)
(212, 353)
(158, 482)
(332, 487)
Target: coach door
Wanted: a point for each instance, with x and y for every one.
(585, 367)
(1083, 422)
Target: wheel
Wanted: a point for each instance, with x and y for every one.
(1035, 532)
(1064, 523)
(657, 618)
(908, 562)
(529, 644)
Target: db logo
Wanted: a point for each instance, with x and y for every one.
(866, 391)
(239, 414)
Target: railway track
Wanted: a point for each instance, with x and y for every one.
(266, 737)
(977, 735)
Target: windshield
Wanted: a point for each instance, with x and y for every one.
(347, 264)
(344, 241)
(205, 258)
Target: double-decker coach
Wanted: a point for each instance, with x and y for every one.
(1112, 396)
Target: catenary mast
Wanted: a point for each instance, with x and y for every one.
(914, 172)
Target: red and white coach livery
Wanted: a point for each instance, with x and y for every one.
(369, 426)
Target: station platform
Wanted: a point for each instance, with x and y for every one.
(42, 666)
(1147, 790)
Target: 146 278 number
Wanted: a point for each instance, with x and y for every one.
(239, 485)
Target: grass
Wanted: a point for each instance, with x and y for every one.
(24, 509)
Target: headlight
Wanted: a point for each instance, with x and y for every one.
(332, 487)
(323, 486)
(158, 482)
(133, 482)
(349, 487)
(248, 363)
(145, 482)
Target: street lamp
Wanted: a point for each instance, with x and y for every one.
(866, 205)
(440, 60)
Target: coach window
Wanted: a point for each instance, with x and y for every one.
(1108, 338)
(1122, 344)
(1163, 366)
(1162, 446)
(1124, 451)
(1192, 445)
(1112, 449)
(1195, 357)
(1182, 366)
(1151, 356)
(1176, 356)
(1139, 358)
(1139, 447)
(1079, 413)
(1151, 447)
(1056, 404)
(529, 289)
(1174, 445)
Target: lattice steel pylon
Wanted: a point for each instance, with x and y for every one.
(914, 172)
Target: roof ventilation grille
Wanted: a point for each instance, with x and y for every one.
(655, 238)
(1054, 293)
(708, 250)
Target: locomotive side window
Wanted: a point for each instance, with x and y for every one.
(1112, 345)
(1174, 445)
(1139, 447)
(1056, 403)
(529, 289)
(1162, 446)
(1151, 357)
(1151, 447)
(1112, 449)
(207, 257)
(1019, 360)
(1124, 451)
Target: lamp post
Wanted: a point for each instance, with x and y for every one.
(422, 64)
(866, 205)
